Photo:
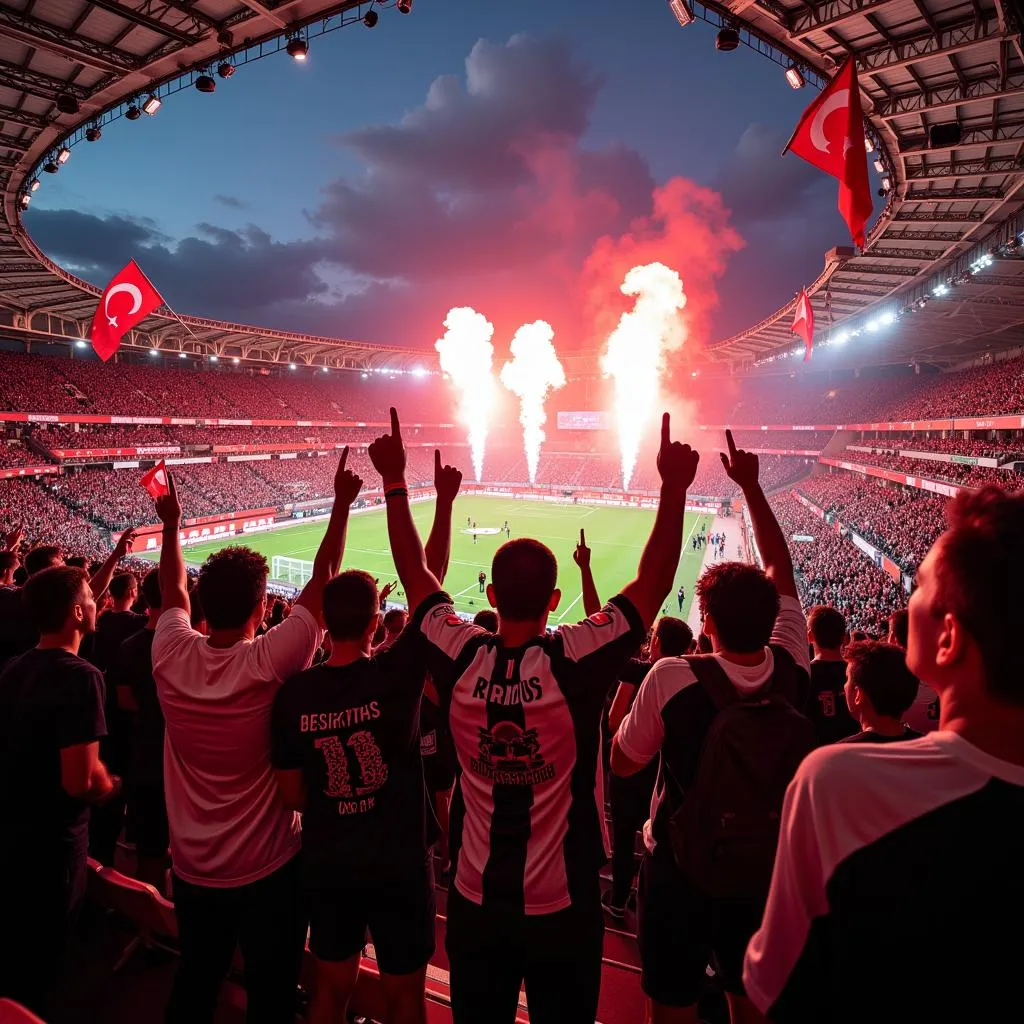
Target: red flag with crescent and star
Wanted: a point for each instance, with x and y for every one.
(830, 135)
(125, 302)
(155, 480)
(803, 322)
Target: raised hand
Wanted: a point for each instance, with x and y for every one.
(387, 453)
(125, 542)
(168, 508)
(12, 541)
(346, 484)
(447, 479)
(740, 466)
(387, 590)
(677, 463)
(581, 556)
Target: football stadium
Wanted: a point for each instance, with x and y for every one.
(515, 515)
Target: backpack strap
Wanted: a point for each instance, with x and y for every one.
(716, 683)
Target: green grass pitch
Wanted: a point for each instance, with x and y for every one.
(615, 535)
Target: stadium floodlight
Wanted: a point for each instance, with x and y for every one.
(154, 352)
(325, 369)
(364, 375)
(204, 83)
(67, 103)
(370, 18)
(868, 144)
(683, 12)
(64, 155)
(152, 104)
(34, 185)
(887, 319)
(51, 167)
(727, 39)
(405, 6)
(873, 325)
(418, 371)
(297, 48)
(291, 366)
(225, 69)
(183, 355)
(93, 133)
(236, 360)
(133, 113)
(939, 289)
(886, 184)
(213, 359)
(841, 338)
(24, 199)
(879, 166)
(80, 343)
(795, 77)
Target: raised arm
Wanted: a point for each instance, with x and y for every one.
(387, 454)
(581, 556)
(173, 579)
(328, 556)
(102, 579)
(447, 481)
(677, 465)
(742, 468)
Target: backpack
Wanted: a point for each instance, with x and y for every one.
(725, 831)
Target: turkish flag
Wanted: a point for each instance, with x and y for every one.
(830, 135)
(155, 481)
(803, 322)
(125, 302)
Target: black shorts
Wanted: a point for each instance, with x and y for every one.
(397, 911)
(681, 930)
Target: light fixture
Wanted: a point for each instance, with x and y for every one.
(868, 144)
(682, 10)
(291, 366)
(841, 338)
(727, 39)
(364, 375)
(888, 318)
(34, 184)
(51, 167)
(939, 289)
(213, 359)
(225, 69)
(80, 343)
(795, 77)
(326, 369)
(152, 104)
(93, 133)
(297, 48)
(154, 352)
(236, 360)
(693, 373)
(182, 355)
(370, 18)
(879, 166)
(66, 103)
(133, 113)
(64, 155)
(24, 200)
(886, 184)
(204, 83)
(405, 6)
(873, 325)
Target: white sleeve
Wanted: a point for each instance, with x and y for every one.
(173, 630)
(289, 647)
(643, 729)
(790, 631)
(445, 631)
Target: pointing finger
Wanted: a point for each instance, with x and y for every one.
(437, 461)
(666, 438)
(583, 540)
(172, 489)
(396, 429)
(344, 457)
(731, 443)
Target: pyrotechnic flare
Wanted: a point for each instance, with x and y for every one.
(636, 352)
(466, 354)
(531, 374)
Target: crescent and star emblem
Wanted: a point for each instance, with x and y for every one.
(839, 100)
(128, 289)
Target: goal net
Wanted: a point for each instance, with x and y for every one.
(296, 571)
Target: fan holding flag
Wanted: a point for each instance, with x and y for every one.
(155, 481)
(803, 322)
(125, 303)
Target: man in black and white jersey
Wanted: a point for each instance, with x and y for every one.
(900, 863)
(759, 638)
(527, 834)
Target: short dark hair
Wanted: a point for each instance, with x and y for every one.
(899, 626)
(674, 636)
(42, 557)
(121, 585)
(151, 589)
(350, 604)
(880, 670)
(704, 644)
(79, 562)
(232, 583)
(827, 627)
(524, 573)
(50, 594)
(392, 615)
(858, 635)
(8, 561)
(486, 618)
(742, 601)
(978, 569)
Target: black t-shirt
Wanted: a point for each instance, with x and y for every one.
(49, 700)
(132, 667)
(112, 629)
(17, 634)
(826, 703)
(354, 732)
(870, 736)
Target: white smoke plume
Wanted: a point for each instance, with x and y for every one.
(532, 373)
(466, 354)
(635, 354)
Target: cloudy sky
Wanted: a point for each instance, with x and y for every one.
(516, 157)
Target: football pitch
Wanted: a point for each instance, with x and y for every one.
(615, 536)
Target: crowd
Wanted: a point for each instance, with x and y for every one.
(13, 454)
(1007, 446)
(782, 440)
(951, 472)
(206, 717)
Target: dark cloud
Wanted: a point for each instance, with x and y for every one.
(232, 202)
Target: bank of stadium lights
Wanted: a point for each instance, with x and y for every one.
(939, 290)
(981, 263)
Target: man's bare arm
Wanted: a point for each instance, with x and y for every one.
(102, 579)
(447, 481)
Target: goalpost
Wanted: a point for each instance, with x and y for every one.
(296, 571)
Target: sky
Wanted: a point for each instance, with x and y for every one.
(518, 158)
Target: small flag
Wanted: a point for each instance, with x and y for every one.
(125, 302)
(803, 322)
(155, 481)
(835, 144)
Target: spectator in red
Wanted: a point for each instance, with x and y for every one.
(896, 854)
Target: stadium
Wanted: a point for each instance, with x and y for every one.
(913, 398)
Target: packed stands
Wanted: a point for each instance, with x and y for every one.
(46, 519)
(953, 472)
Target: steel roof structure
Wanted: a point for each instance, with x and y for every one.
(920, 63)
(105, 55)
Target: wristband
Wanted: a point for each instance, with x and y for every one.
(392, 484)
(396, 492)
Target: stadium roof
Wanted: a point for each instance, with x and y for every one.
(99, 56)
(921, 64)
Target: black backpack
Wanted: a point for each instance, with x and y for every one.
(724, 833)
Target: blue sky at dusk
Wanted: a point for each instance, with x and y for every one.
(496, 155)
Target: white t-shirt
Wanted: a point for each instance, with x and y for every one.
(228, 824)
